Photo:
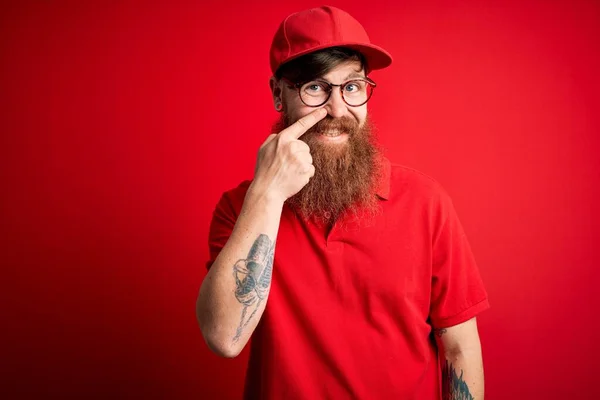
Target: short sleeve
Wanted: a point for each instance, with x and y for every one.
(457, 291)
(223, 220)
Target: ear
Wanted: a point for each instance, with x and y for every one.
(276, 92)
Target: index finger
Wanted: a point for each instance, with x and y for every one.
(300, 127)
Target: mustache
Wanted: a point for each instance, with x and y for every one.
(343, 124)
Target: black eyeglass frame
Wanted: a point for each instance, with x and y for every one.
(299, 85)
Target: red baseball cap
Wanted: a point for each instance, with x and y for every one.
(319, 28)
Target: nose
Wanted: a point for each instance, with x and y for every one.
(335, 106)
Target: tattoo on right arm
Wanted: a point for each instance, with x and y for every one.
(253, 279)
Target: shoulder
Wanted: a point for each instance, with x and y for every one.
(407, 181)
(238, 192)
(231, 200)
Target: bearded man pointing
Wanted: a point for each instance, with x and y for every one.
(352, 275)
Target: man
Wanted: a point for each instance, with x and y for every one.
(352, 275)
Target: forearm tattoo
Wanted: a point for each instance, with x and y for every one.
(253, 279)
(453, 386)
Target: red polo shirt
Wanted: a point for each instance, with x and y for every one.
(351, 311)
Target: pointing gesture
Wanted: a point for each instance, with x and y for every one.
(299, 128)
(284, 164)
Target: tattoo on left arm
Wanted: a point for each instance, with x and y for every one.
(453, 386)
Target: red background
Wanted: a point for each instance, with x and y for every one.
(123, 123)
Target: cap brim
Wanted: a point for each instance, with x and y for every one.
(377, 58)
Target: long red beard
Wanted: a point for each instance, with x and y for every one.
(346, 174)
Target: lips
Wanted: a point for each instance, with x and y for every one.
(332, 133)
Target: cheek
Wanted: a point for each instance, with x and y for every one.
(360, 114)
(294, 108)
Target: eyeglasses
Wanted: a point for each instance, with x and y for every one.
(355, 92)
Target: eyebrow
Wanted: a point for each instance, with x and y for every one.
(354, 75)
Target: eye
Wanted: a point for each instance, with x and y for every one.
(353, 87)
(314, 87)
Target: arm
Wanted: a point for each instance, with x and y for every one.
(462, 377)
(234, 293)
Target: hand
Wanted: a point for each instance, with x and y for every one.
(284, 164)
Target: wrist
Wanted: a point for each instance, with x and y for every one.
(259, 195)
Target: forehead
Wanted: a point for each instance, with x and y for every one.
(344, 71)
